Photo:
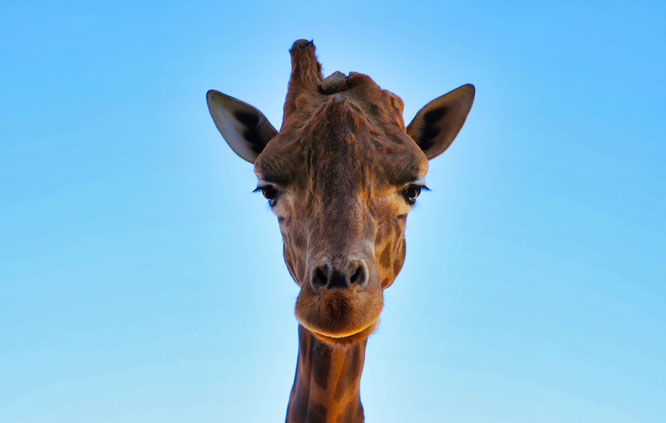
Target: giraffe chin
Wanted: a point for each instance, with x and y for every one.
(346, 339)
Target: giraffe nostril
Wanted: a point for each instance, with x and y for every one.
(319, 277)
(358, 277)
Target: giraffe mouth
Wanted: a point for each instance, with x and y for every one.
(339, 317)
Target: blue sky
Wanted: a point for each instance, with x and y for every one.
(140, 281)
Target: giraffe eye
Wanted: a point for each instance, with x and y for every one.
(270, 193)
(411, 192)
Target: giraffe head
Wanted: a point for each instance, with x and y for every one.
(341, 175)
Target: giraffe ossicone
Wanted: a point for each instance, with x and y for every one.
(341, 175)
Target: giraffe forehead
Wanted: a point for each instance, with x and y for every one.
(341, 145)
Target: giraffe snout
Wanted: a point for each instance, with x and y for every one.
(331, 276)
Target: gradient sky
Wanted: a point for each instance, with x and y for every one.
(140, 281)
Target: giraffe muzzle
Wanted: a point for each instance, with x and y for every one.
(341, 298)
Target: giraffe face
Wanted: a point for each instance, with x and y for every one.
(341, 186)
(341, 175)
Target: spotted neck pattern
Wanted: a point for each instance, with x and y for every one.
(328, 376)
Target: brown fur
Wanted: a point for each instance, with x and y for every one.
(339, 157)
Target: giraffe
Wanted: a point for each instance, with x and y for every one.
(341, 175)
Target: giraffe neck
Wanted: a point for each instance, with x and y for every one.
(328, 377)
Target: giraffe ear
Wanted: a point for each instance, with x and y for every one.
(246, 129)
(436, 125)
